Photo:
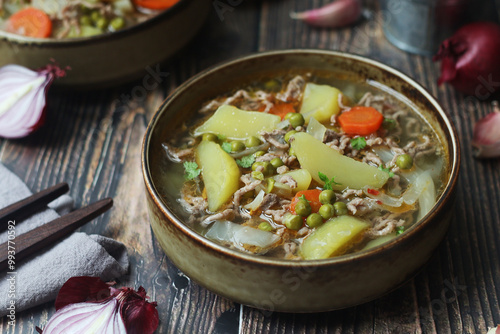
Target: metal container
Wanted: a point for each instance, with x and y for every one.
(419, 26)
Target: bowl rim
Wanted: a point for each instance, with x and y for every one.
(450, 130)
(104, 37)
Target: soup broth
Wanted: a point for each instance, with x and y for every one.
(303, 167)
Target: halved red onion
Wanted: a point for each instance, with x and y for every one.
(23, 98)
(89, 305)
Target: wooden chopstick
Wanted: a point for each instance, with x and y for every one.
(30, 205)
(30, 242)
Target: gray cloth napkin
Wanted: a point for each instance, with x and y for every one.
(37, 279)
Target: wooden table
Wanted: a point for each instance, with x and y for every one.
(92, 140)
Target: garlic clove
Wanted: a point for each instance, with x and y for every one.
(338, 13)
(486, 136)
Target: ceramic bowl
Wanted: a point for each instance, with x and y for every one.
(285, 285)
(112, 58)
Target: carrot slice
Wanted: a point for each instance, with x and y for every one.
(30, 22)
(155, 4)
(360, 120)
(282, 109)
(312, 195)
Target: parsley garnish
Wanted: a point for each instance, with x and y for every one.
(303, 198)
(387, 170)
(358, 143)
(246, 161)
(389, 124)
(191, 170)
(399, 230)
(328, 183)
(226, 146)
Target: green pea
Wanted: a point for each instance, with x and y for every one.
(289, 115)
(237, 146)
(117, 23)
(340, 208)
(296, 120)
(95, 15)
(404, 161)
(257, 175)
(277, 162)
(259, 154)
(270, 185)
(101, 23)
(327, 196)
(210, 137)
(256, 164)
(314, 220)
(289, 134)
(252, 141)
(293, 222)
(272, 84)
(265, 226)
(85, 20)
(326, 211)
(303, 208)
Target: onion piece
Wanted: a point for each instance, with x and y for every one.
(418, 183)
(23, 98)
(384, 153)
(486, 137)
(316, 129)
(469, 59)
(238, 235)
(427, 197)
(382, 197)
(262, 147)
(88, 305)
(494, 330)
(338, 13)
(256, 201)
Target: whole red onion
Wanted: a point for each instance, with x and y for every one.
(470, 59)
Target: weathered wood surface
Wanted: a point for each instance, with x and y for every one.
(92, 140)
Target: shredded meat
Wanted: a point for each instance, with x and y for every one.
(288, 180)
(270, 138)
(240, 192)
(294, 90)
(227, 214)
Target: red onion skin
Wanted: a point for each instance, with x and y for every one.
(338, 13)
(470, 59)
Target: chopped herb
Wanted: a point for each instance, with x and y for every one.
(358, 143)
(399, 230)
(328, 183)
(303, 198)
(246, 161)
(226, 146)
(387, 170)
(389, 124)
(191, 170)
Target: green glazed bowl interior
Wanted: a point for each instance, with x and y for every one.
(110, 58)
(285, 285)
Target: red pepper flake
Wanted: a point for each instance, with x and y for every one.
(372, 192)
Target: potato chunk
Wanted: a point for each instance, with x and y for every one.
(320, 102)
(316, 157)
(235, 123)
(301, 176)
(333, 237)
(220, 173)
